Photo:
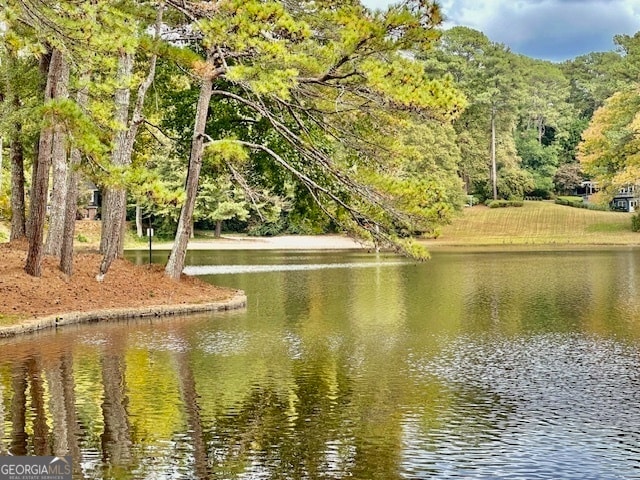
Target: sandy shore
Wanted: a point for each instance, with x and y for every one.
(283, 242)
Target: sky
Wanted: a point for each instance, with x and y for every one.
(553, 30)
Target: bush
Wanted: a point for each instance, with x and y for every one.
(635, 223)
(504, 203)
(579, 203)
(471, 200)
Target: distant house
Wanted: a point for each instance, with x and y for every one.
(627, 199)
(89, 211)
(586, 189)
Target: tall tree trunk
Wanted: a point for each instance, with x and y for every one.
(114, 200)
(18, 218)
(71, 208)
(540, 122)
(218, 231)
(114, 207)
(40, 186)
(31, 194)
(139, 230)
(16, 158)
(43, 67)
(57, 206)
(71, 202)
(494, 168)
(175, 264)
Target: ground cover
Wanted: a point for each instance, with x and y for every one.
(538, 223)
(126, 285)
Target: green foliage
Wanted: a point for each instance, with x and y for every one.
(540, 160)
(504, 203)
(593, 78)
(635, 223)
(492, 79)
(225, 150)
(610, 151)
(219, 200)
(322, 114)
(570, 201)
(514, 183)
(299, 86)
(78, 126)
(5, 195)
(578, 202)
(629, 67)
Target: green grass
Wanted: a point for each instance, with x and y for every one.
(538, 223)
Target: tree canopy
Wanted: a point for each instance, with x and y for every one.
(290, 116)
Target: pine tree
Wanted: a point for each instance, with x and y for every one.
(312, 71)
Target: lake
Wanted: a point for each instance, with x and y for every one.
(514, 365)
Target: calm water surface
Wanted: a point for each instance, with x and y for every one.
(350, 365)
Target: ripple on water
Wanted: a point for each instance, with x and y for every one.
(161, 341)
(549, 406)
(235, 269)
(224, 343)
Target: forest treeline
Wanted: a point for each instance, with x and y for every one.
(291, 116)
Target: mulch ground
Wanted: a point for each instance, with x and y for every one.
(125, 286)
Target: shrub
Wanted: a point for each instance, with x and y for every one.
(579, 203)
(504, 203)
(635, 223)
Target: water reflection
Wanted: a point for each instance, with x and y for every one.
(470, 366)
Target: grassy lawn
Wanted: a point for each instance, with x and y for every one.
(538, 223)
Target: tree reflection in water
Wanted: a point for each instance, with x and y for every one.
(407, 373)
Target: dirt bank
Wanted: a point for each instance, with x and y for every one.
(125, 286)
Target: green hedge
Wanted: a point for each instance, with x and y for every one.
(579, 203)
(504, 203)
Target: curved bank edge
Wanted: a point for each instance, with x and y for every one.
(238, 301)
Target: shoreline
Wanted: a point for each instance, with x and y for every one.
(32, 325)
(238, 299)
(342, 242)
(281, 242)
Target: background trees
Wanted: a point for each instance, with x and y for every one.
(320, 77)
(610, 149)
(290, 116)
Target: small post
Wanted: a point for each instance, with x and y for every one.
(150, 235)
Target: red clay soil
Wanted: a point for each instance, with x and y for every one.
(125, 286)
